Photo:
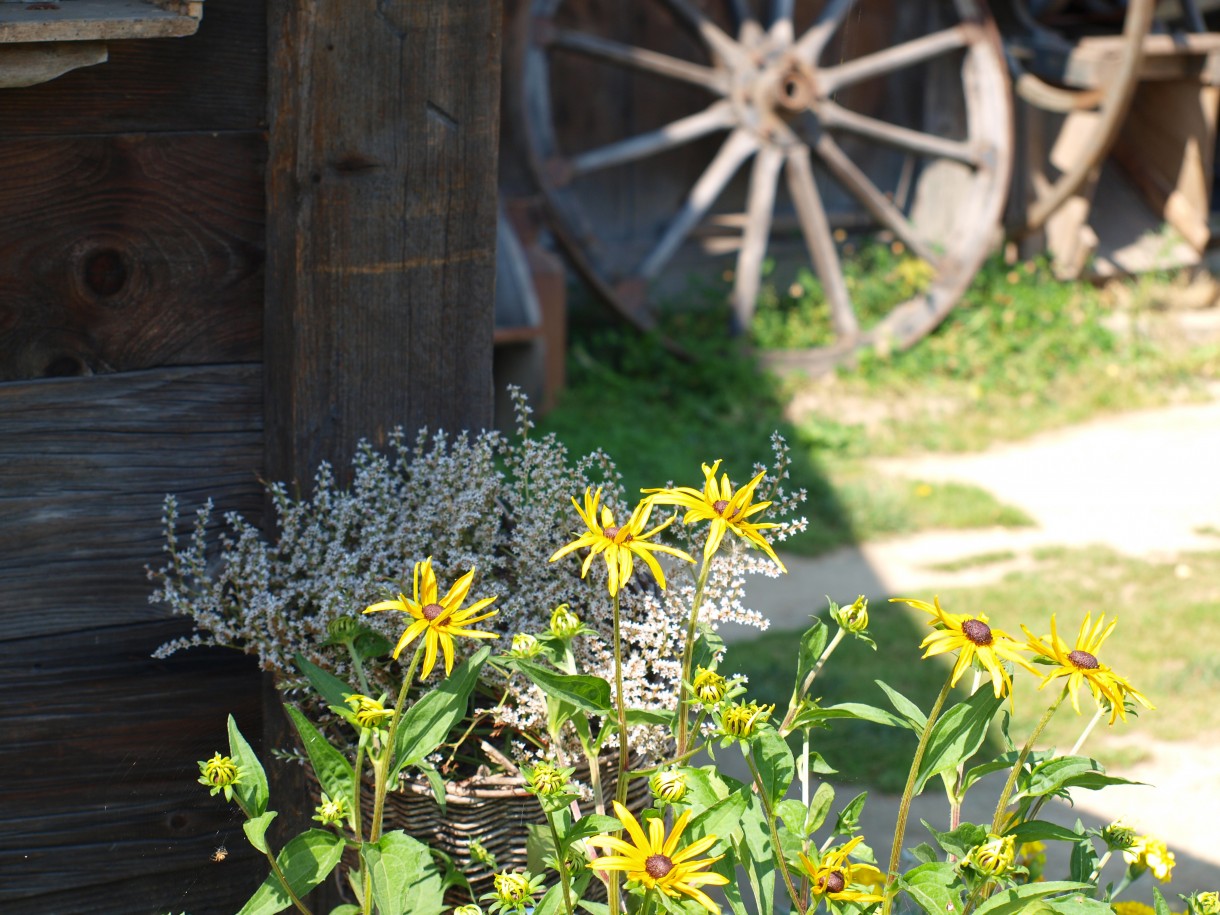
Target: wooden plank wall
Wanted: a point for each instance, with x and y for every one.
(131, 283)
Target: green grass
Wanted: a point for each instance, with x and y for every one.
(1164, 645)
(977, 561)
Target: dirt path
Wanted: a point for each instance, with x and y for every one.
(1146, 484)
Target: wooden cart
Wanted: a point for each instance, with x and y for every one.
(661, 131)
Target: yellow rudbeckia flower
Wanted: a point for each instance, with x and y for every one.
(437, 620)
(834, 876)
(655, 861)
(725, 509)
(619, 543)
(1081, 666)
(972, 638)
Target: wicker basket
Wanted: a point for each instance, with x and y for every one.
(494, 809)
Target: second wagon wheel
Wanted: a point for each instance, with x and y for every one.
(656, 127)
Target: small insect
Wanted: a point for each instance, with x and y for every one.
(220, 854)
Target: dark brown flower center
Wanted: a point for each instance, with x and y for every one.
(432, 611)
(835, 882)
(977, 631)
(720, 505)
(1083, 660)
(658, 866)
(610, 532)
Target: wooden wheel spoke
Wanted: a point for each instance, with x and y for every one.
(836, 117)
(810, 45)
(882, 209)
(639, 58)
(713, 36)
(759, 207)
(718, 116)
(739, 146)
(816, 228)
(880, 63)
(781, 29)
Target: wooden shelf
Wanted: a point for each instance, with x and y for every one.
(97, 20)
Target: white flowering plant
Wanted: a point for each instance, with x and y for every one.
(769, 840)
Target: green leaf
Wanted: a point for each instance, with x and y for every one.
(334, 772)
(590, 824)
(775, 763)
(1012, 901)
(722, 819)
(428, 722)
(813, 643)
(256, 830)
(792, 813)
(1159, 903)
(705, 786)
(1063, 772)
(957, 735)
(756, 855)
(1079, 905)
(587, 693)
(727, 867)
(328, 686)
(960, 840)
(848, 821)
(649, 716)
(915, 719)
(251, 790)
(996, 765)
(819, 807)
(436, 783)
(931, 888)
(305, 862)
(1042, 831)
(857, 710)
(405, 879)
(708, 647)
(346, 909)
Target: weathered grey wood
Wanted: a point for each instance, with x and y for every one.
(102, 812)
(130, 252)
(381, 187)
(87, 463)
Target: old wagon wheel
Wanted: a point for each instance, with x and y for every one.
(1107, 96)
(897, 112)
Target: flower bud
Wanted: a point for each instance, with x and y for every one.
(332, 811)
(853, 618)
(343, 628)
(564, 623)
(220, 773)
(995, 857)
(710, 687)
(1204, 904)
(547, 780)
(524, 646)
(369, 713)
(668, 785)
(513, 889)
(741, 719)
(468, 909)
(480, 854)
(1118, 835)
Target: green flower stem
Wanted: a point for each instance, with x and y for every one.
(1088, 729)
(381, 766)
(776, 847)
(620, 792)
(559, 860)
(275, 868)
(997, 821)
(794, 704)
(1100, 864)
(688, 656)
(908, 794)
(356, 824)
(358, 666)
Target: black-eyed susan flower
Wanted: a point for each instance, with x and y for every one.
(725, 509)
(655, 861)
(1147, 853)
(369, 712)
(332, 811)
(618, 543)
(220, 773)
(835, 877)
(1079, 664)
(973, 639)
(438, 620)
(995, 857)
